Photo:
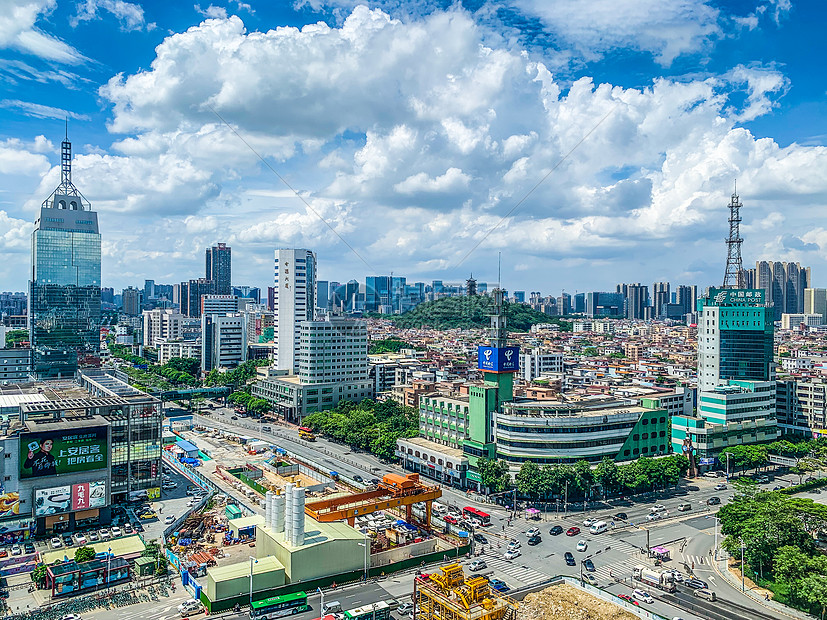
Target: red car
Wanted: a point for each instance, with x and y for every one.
(573, 531)
(628, 599)
(450, 519)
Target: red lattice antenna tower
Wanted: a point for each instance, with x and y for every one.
(734, 276)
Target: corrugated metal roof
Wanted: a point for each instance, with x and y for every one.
(14, 400)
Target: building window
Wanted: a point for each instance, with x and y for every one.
(626, 453)
(439, 462)
(636, 437)
(645, 422)
(417, 454)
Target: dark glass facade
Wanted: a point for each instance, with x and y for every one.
(65, 291)
(745, 354)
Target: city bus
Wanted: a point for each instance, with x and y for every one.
(278, 606)
(307, 433)
(374, 611)
(473, 513)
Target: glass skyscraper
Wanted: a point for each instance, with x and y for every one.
(65, 287)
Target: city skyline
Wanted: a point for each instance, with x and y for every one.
(413, 174)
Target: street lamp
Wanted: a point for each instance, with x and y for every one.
(741, 540)
(321, 602)
(253, 560)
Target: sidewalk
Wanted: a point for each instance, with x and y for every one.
(720, 567)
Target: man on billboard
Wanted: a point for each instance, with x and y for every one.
(42, 463)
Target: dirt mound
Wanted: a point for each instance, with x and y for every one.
(564, 602)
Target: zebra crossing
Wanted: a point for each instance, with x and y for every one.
(514, 571)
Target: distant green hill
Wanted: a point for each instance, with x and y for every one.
(471, 312)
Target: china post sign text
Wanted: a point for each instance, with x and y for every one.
(492, 359)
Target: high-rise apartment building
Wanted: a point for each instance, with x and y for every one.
(605, 304)
(815, 302)
(636, 297)
(294, 301)
(219, 268)
(660, 297)
(65, 286)
(132, 300)
(784, 285)
(161, 324)
(219, 304)
(378, 294)
(687, 298)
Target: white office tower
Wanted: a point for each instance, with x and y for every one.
(298, 516)
(294, 300)
(278, 513)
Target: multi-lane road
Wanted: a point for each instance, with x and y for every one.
(615, 553)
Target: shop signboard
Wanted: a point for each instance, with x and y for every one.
(55, 452)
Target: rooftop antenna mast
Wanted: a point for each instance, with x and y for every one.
(734, 276)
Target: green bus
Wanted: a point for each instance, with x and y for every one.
(278, 606)
(375, 611)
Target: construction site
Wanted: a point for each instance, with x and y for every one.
(449, 595)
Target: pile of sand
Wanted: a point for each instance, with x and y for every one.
(565, 602)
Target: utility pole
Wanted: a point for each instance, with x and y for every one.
(741, 540)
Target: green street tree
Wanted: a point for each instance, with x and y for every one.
(84, 554)
(529, 479)
(814, 590)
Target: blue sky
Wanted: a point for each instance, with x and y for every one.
(413, 129)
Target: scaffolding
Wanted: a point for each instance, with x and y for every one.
(448, 595)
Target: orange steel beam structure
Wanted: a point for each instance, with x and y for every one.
(394, 491)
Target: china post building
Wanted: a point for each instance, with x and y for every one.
(69, 449)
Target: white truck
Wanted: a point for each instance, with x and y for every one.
(663, 580)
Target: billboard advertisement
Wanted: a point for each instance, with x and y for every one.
(9, 504)
(89, 495)
(83, 496)
(493, 359)
(65, 451)
(52, 501)
(737, 296)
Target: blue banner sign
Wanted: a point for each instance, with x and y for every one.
(493, 359)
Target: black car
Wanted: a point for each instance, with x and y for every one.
(481, 539)
(534, 540)
(138, 527)
(695, 584)
(28, 547)
(235, 417)
(569, 559)
(67, 540)
(374, 480)
(556, 530)
(621, 516)
(589, 565)
(712, 501)
(358, 478)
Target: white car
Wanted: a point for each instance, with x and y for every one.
(677, 576)
(720, 487)
(514, 544)
(104, 534)
(534, 531)
(711, 474)
(71, 617)
(169, 519)
(641, 595)
(658, 508)
(590, 579)
(56, 543)
(581, 545)
(80, 539)
(116, 531)
(477, 565)
(189, 607)
(589, 522)
(653, 516)
(512, 553)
